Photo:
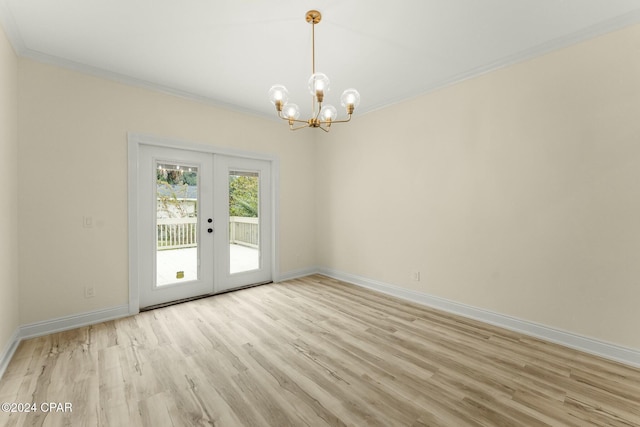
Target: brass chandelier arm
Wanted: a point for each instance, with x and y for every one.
(316, 115)
(289, 119)
(336, 121)
(306, 125)
(292, 121)
(328, 123)
(324, 122)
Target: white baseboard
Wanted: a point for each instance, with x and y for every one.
(588, 345)
(296, 274)
(610, 351)
(57, 325)
(74, 321)
(9, 349)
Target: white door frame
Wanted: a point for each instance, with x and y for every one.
(134, 142)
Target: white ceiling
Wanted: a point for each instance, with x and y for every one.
(230, 52)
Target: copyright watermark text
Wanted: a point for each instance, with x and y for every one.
(49, 407)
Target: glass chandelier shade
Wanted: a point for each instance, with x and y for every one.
(278, 93)
(318, 84)
(291, 111)
(328, 113)
(350, 98)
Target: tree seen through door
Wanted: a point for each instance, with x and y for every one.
(244, 226)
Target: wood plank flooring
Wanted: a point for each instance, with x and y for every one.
(312, 352)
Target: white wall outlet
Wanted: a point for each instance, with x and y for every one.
(87, 222)
(89, 292)
(415, 275)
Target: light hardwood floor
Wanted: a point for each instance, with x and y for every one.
(314, 352)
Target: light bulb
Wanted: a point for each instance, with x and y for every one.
(350, 97)
(278, 94)
(291, 111)
(318, 85)
(328, 113)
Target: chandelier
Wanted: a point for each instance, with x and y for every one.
(323, 116)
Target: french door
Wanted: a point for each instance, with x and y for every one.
(203, 225)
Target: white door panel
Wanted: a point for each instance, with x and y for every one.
(243, 238)
(176, 248)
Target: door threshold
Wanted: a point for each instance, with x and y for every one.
(180, 301)
(239, 288)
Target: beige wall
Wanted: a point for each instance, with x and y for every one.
(9, 191)
(516, 192)
(73, 150)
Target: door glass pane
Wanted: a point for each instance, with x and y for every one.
(176, 223)
(244, 221)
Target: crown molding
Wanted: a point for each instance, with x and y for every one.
(586, 34)
(12, 31)
(614, 24)
(133, 81)
(10, 27)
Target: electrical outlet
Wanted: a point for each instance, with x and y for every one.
(89, 292)
(87, 222)
(416, 276)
